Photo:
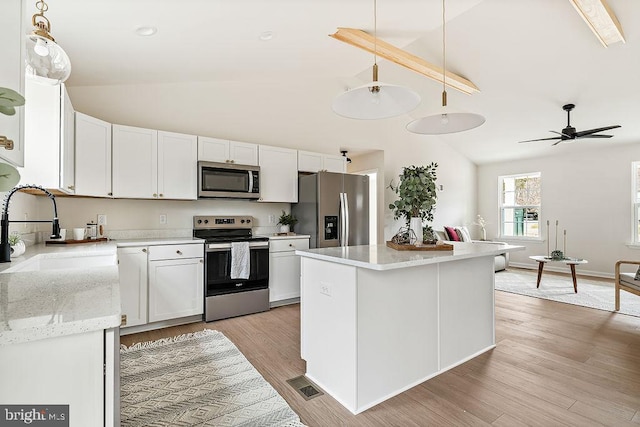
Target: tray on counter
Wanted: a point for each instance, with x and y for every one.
(441, 247)
(74, 242)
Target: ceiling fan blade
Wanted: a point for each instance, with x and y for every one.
(561, 134)
(590, 131)
(595, 136)
(556, 143)
(541, 139)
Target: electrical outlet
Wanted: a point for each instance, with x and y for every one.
(163, 218)
(24, 224)
(102, 219)
(272, 219)
(325, 288)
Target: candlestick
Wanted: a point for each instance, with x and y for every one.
(556, 247)
(548, 252)
(564, 244)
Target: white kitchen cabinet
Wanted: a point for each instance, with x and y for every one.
(49, 149)
(177, 166)
(132, 271)
(78, 370)
(148, 164)
(93, 156)
(284, 269)
(12, 14)
(225, 151)
(176, 281)
(278, 174)
(315, 162)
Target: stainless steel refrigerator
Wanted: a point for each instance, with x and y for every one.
(333, 208)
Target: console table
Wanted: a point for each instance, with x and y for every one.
(571, 262)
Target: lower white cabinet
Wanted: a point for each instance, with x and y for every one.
(132, 269)
(284, 268)
(160, 283)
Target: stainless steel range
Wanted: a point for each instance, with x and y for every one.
(226, 296)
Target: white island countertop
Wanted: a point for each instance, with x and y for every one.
(39, 300)
(381, 257)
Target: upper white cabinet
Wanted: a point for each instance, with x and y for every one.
(49, 149)
(93, 156)
(149, 164)
(12, 76)
(278, 174)
(225, 151)
(177, 166)
(316, 162)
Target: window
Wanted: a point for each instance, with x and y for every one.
(520, 205)
(635, 171)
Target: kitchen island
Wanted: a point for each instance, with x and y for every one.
(376, 321)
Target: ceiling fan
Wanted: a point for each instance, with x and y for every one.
(570, 133)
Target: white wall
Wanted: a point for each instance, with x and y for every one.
(588, 193)
(369, 162)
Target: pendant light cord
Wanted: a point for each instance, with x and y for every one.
(444, 58)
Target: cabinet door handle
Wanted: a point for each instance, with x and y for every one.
(161, 195)
(123, 320)
(179, 252)
(290, 245)
(155, 195)
(71, 187)
(144, 249)
(109, 194)
(201, 261)
(6, 143)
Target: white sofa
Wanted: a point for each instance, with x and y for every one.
(501, 261)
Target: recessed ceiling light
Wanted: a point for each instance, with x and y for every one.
(146, 31)
(266, 35)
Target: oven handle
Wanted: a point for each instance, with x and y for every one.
(250, 181)
(218, 247)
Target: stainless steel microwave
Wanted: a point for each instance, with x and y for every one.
(228, 180)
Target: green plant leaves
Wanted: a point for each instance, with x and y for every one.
(9, 99)
(417, 192)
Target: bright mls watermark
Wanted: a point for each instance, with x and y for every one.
(36, 415)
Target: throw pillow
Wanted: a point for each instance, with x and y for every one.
(463, 233)
(637, 274)
(451, 233)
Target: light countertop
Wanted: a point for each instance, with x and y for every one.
(291, 236)
(55, 302)
(381, 257)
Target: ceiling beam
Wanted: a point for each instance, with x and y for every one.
(600, 19)
(359, 38)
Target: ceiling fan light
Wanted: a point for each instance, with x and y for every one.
(436, 124)
(375, 100)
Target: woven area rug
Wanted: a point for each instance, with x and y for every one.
(591, 292)
(198, 379)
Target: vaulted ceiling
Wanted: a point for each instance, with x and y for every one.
(527, 57)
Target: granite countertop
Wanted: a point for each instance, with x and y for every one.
(381, 257)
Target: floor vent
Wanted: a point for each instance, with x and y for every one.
(306, 388)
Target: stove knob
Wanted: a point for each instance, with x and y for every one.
(248, 221)
(242, 221)
(199, 221)
(206, 221)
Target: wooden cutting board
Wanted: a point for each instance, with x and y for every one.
(442, 247)
(74, 242)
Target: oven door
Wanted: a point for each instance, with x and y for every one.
(218, 279)
(225, 180)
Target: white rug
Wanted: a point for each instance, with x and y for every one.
(591, 293)
(198, 379)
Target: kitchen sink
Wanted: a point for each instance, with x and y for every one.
(45, 262)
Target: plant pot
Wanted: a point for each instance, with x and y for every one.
(416, 227)
(284, 228)
(17, 249)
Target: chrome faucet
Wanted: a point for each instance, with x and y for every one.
(5, 247)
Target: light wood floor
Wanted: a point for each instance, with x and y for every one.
(554, 364)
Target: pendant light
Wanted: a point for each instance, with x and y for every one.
(46, 60)
(375, 100)
(446, 121)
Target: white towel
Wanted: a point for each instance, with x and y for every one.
(240, 260)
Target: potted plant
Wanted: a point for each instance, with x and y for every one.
(17, 245)
(417, 197)
(287, 221)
